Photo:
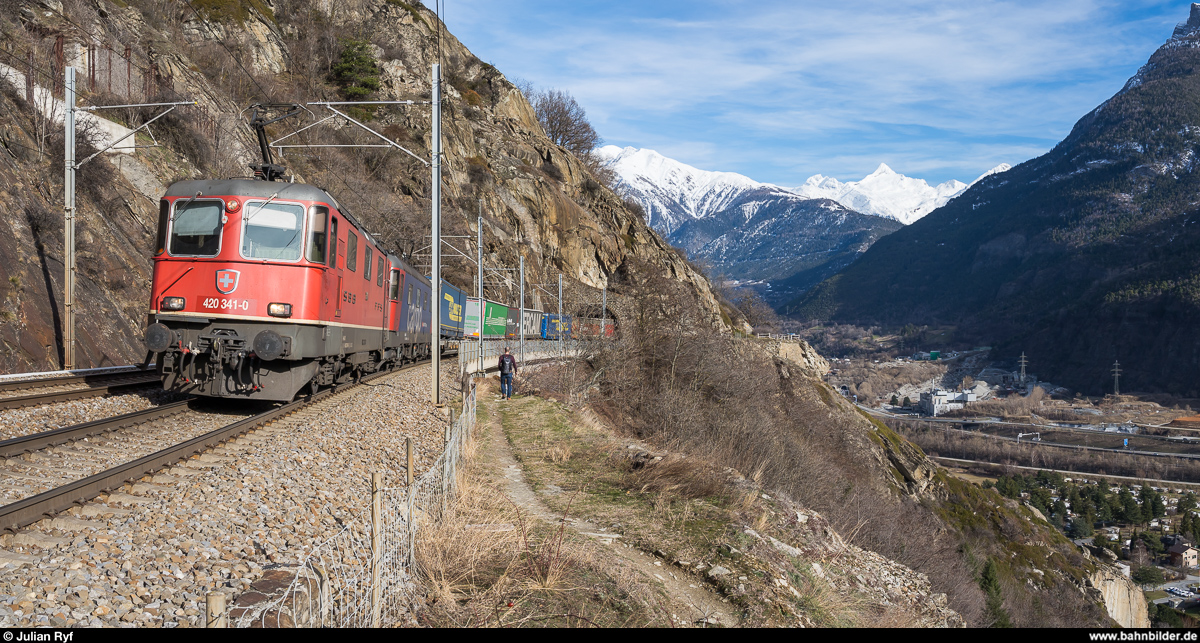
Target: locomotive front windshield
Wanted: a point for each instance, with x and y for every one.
(196, 228)
(272, 231)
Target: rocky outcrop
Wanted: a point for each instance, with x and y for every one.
(917, 470)
(801, 354)
(1122, 598)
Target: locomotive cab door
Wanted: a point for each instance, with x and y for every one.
(334, 275)
(393, 303)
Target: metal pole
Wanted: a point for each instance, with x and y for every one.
(436, 225)
(69, 212)
(603, 309)
(521, 318)
(560, 318)
(479, 284)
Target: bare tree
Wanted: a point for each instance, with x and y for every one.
(564, 120)
(757, 311)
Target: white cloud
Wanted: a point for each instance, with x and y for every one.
(766, 80)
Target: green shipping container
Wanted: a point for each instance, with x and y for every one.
(934, 355)
(495, 320)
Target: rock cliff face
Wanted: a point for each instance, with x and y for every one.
(802, 355)
(537, 200)
(1125, 602)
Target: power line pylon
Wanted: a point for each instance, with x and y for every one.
(1023, 362)
(1116, 372)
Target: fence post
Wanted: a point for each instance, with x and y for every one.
(408, 477)
(376, 554)
(214, 610)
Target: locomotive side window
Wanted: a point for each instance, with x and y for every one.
(379, 273)
(351, 252)
(317, 216)
(271, 230)
(196, 228)
(160, 243)
(395, 290)
(367, 263)
(333, 244)
(410, 301)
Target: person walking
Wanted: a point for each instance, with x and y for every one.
(508, 368)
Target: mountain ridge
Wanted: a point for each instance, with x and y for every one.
(673, 192)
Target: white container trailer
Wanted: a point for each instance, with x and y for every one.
(531, 324)
(472, 319)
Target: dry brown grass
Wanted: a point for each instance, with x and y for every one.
(471, 550)
(676, 474)
(491, 563)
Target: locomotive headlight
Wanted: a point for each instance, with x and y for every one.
(173, 303)
(279, 310)
(232, 205)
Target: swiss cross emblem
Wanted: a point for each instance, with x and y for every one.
(227, 281)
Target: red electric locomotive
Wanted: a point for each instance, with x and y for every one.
(262, 288)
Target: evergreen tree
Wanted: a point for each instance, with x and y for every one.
(1187, 503)
(1152, 505)
(1082, 525)
(1147, 575)
(1131, 512)
(356, 71)
(1008, 487)
(989, 582)
(1157, 508)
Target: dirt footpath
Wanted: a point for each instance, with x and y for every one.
(693, 604)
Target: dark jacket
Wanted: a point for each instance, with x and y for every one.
(508, 364)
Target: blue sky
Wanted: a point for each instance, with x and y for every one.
(780, 91)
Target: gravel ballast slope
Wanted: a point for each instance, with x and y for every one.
(146, 555)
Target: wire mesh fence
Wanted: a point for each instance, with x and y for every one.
(362, 575)
(475, 356)
(108, 68)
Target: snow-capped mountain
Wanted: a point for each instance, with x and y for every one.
(673, 192)
(886, 193)
(883, 193)
(786, 239)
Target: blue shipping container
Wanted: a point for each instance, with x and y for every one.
(554, 326)
(452, 302)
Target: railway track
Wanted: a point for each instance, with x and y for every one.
(67, 388)
(29, 510)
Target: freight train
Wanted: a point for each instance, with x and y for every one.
(263, 289)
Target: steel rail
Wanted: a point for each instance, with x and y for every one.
(36, 399)
(34, 508)
(15, 447)
(67, 380)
